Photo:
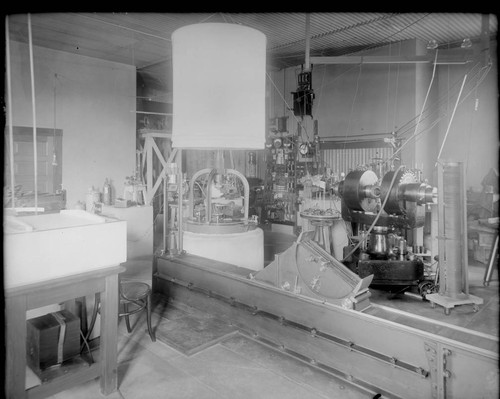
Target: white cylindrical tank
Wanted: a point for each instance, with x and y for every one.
(219, 81)
(245, 249)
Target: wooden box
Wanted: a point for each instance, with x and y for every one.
(45, 346)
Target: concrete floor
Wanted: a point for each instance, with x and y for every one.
(237, 367)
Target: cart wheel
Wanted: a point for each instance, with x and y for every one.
(433, 305)
(475, 308)
(425, 287)
(447, 311)
(486, 283)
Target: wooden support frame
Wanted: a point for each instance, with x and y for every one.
(151, 149)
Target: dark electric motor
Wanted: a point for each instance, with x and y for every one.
(384, 236)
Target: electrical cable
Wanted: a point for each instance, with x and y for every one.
(451, 119)
(352, 105)
(423, 105)
(439, 118)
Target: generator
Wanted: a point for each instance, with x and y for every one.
(384, 213)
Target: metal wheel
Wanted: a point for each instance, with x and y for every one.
(426, 287)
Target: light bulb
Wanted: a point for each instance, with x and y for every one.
(432, 44)
(466, 43)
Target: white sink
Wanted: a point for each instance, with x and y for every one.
(47, 246)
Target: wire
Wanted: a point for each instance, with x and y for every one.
(451, 119)
(352, 105)
(288, 106)
(487, 68)
(423, 105)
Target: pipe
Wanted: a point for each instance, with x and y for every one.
(165, 212)
(180, 196)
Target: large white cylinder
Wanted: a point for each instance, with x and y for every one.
(244, 249)
(219, 79)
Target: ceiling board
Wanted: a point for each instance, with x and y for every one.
(144, 39)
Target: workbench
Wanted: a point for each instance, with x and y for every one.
(18, 300)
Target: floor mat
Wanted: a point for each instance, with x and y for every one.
(188, 330)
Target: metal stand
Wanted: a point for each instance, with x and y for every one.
(323, 234)
(452, 220)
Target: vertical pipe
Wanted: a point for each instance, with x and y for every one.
(308, 42)
(35, 155)
(9, 114)
(465, 250)
(180, 216)
(441, 238)
(452, 203)
(165, 213)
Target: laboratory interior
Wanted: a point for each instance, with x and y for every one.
(240, 205)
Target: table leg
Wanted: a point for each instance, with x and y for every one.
(15, 326)
(109, 335)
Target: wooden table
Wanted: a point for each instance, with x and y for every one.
(18, 300)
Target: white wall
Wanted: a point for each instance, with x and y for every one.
(95, 108)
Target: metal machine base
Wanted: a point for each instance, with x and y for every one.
(449, 303)
(378, 348)
(392, 272)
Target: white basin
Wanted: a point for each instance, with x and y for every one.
(47, 246)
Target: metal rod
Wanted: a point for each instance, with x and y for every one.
(491, 262)
(396, 59)
(308, 42)
(9, 113)
(165, 213)
(465, 250)
(35, 155)
(179, 211)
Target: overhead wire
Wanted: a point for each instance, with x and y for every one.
(423, 105)
(352, 105)
(451, 120)
(438, 119)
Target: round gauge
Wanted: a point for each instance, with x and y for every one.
(303, 148)
(277, 143)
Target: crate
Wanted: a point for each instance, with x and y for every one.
(43, 348)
